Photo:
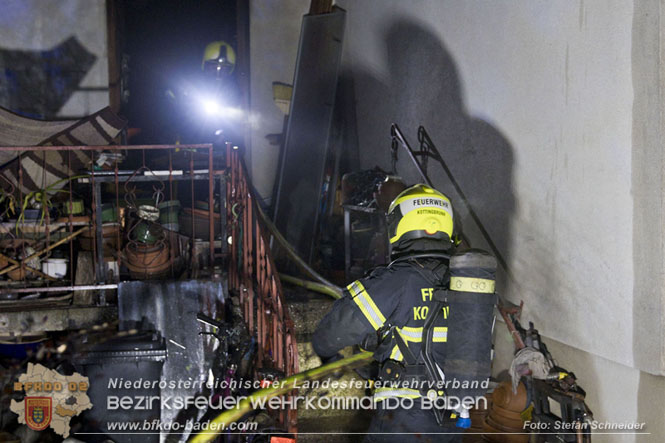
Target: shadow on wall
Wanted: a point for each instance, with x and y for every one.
(37, 84)
(424, 88)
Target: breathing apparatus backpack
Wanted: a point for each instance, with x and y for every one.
(467, 294)
(470, 299)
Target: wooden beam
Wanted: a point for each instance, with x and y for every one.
(320, 7)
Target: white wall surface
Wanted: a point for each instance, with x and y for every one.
(548, 115)
(531, 102)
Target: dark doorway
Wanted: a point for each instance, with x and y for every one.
(160, 50)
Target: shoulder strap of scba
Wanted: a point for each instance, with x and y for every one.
(440, 302)
(409, 358)
(411, 257)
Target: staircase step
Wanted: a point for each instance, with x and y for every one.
(320, 424)
(306, 310)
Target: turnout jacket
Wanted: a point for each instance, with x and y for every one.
(399, 295)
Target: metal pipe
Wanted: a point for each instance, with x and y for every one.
(20, 194)
(424, 136)
(70, 219)
(118, 231)
(514, 333)
(98, 227)
(58, 289)
(397, 135)
(171, 236)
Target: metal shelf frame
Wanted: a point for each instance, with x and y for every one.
(96, 180)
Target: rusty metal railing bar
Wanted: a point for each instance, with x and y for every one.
(46, 213)
(98, 243)
(101, 147)
(192, 240)
(177, 245)
(21, 205)
(70, 217)
(118, 245)
(253, 277)
(211, 209)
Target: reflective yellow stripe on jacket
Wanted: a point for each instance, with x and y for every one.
(383, 393)
(416, 335)
(366, 304)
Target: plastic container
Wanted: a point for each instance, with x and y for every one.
(109, 213)
(55, 267)
(168, 215)
(75, 207)
(132, 358)
(168, 211)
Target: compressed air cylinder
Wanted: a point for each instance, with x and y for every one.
(471, 301)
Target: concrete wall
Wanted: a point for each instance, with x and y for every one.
(28, 27)
(550, 116)
(531, 104)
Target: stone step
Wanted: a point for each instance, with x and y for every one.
(306, 310)
(322, 424)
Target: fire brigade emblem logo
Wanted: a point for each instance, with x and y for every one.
(50, 399)
(38, 412)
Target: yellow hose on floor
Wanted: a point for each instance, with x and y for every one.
(223, 420)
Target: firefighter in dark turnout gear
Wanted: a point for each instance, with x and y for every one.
(390, 307)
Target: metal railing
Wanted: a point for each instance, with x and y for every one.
(235, 233)
(253, 276)
(41, 175)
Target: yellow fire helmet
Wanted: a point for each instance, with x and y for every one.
(217, 57)
(420, 212)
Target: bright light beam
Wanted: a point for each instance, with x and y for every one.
(211, 107)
